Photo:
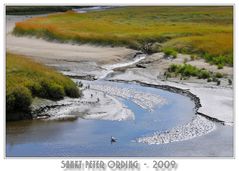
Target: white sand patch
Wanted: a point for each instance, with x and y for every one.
(197, 127)
(93, 105)
(145, 100)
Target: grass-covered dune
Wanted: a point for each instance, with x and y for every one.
(27, 79)
(205, 31)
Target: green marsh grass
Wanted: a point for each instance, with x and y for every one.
(27, 79)
(186, 70)
(205, 31)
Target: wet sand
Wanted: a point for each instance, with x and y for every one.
(216, 101)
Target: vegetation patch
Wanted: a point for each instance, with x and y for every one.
(27, 79)
(24, 10)
(205, 31)
(184, 71)
(170, 52)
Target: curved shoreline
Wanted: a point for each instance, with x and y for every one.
(172, 89)
(92, 105)
(200, 124)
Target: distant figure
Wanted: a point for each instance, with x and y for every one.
(91, 95)
(113, 140)
(79, 84)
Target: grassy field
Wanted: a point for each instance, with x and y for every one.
(27, 79)
(205, 31)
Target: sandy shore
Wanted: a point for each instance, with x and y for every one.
(144, 100)
(99, 101)
(216, 101)
(53, 52)
(197, 127)
(93, 105)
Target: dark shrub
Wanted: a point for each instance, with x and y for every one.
(168, 75)
(35, 88)
(218, 75)
(18, 99)
(72, 91)
(173, 68)
(203, 74)
(192, 57)
(189, 70)
(56, 91)
(44, 84)
(51, 90)
(220, 66)
(10, 101)
(209, 80)
(170, 52)
(220, 60)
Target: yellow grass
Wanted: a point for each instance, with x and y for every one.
(194, 29)
(26, 78)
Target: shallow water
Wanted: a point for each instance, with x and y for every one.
(109, 68)
(93, 8)
(92, 137)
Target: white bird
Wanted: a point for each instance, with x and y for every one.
(113, 139)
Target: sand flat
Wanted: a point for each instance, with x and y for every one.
(41, 49)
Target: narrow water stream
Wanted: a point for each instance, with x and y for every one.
(110, 68)
(85, 137)
(92, 137)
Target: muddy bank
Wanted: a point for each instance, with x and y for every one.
(184, 92)
(200, 124)
(92, 105)
(144, 100)
(82, 77)
(168, 88)
(216, 101)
